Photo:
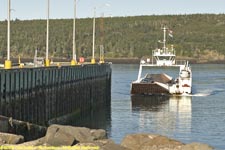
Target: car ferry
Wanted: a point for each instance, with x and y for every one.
(162, 83)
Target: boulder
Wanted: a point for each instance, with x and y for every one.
(11, 138)
(2, 142)
(196, 146)
(37, 142)
(98, 134)
(105, 144)
(150, 142)
(92, 145)
(28, 130)
(58, 135)
(109, 144)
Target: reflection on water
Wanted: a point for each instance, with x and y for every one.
(99, 118)
(148, 103)
(181, 106)
(166, 114)
(95, 118)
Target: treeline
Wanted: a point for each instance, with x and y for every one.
(121, 36)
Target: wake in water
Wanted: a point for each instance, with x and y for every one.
(206, 92)
(201, 94)
(193, 94)
(197, 92)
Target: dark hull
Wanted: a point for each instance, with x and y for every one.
(149, 102)
(148, 88)
(148, 85)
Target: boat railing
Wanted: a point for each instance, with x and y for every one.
(152, 61)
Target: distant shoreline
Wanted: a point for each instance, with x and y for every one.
(137, 61)
(122, 60)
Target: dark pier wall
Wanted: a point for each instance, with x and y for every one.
(38, 95)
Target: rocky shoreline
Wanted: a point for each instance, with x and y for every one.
(69, 137)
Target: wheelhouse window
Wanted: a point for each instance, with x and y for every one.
(164, 58)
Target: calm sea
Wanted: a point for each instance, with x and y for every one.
(196, 118)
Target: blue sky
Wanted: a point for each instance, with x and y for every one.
(36, 9)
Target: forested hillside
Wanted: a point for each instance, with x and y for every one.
(123, 36)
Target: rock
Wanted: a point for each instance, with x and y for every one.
(196, 146)
(28, 130)
(108, 144)
(98, 134)
(85, 145)
(58, 135)
(2, 141)
(37, 142)
(105, 144)
(150, 142)
(11, 138)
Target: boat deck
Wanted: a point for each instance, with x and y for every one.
(148, 84)
(151, 78)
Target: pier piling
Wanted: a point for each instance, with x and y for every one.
(38, 95)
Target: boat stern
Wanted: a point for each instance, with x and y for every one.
(147, 89)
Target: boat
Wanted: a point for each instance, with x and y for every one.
(162, 83)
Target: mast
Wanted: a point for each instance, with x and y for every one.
(164, 39)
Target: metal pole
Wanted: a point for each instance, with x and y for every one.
(47, 62)
(74, 32)
(8, 42)
(101, 60)
(74, 59)
(93, 46)
(8, 63)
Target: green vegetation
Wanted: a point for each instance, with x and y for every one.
(123, 36)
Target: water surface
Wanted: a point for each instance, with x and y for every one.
(196, 118)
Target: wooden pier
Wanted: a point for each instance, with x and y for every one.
(38, 95)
